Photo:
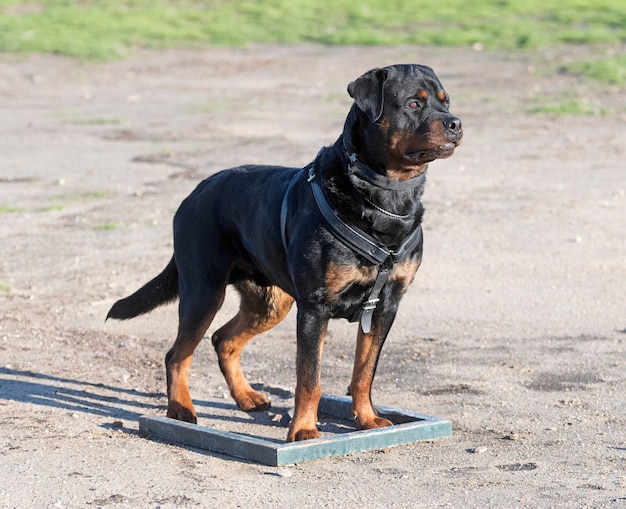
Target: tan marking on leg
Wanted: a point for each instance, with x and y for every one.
(229, 341)
(178, 363)
(179, 404)
(304, 423)
(365, 359)
(308, 394)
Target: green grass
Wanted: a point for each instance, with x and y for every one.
(568, 106)
(610, 70)
(56, 207)
(83, 197)
(106, 226)
(7, 209)
(63, 201)
(100, 30)
(108, 29)
(94, 121)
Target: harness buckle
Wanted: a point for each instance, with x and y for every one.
(370, 304)
(312, 174)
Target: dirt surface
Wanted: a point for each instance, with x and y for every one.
(514, 329)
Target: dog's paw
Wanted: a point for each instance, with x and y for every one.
(252, 401)
(374, 422)
(303, 434)
(176, 411)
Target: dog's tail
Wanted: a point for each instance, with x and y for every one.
(161, 290)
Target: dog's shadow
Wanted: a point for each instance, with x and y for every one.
(115, 404)
(79, 396)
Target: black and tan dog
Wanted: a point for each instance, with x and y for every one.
(342, 238)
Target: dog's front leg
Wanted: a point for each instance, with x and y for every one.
(368, 349)
(311, 334)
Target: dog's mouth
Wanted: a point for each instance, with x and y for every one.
(440, 152)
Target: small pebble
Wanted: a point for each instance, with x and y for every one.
(282, 472)
(478, 450)
(117, 424)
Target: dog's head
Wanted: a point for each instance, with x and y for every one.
(400, 120)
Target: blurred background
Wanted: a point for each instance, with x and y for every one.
(112, 29)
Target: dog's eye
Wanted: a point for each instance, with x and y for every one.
(413, 105)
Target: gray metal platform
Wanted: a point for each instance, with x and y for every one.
(408, 428)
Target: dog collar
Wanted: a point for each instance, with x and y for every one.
(364, 172)
(361, 170)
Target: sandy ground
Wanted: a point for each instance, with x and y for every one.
(514, 329)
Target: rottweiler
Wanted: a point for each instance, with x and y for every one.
(341, 237)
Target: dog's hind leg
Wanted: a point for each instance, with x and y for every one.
(261, 308)
(197, 308)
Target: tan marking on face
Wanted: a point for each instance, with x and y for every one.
(339, 277)
(403, 142)
(384, 125)
(397, 167)
(422, 94)
(441, 96)
(403, 171)
(436, 134)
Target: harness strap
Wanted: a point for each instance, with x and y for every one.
(358, 240)
(284, 209)
(367, 310)
(366, 246)
(353, 236)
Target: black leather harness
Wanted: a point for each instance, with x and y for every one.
(355, 238)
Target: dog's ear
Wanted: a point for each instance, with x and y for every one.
(367, 92)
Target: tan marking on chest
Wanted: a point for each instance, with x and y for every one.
(405, 272)
(339, 277)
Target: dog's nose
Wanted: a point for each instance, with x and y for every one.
(453, 125)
